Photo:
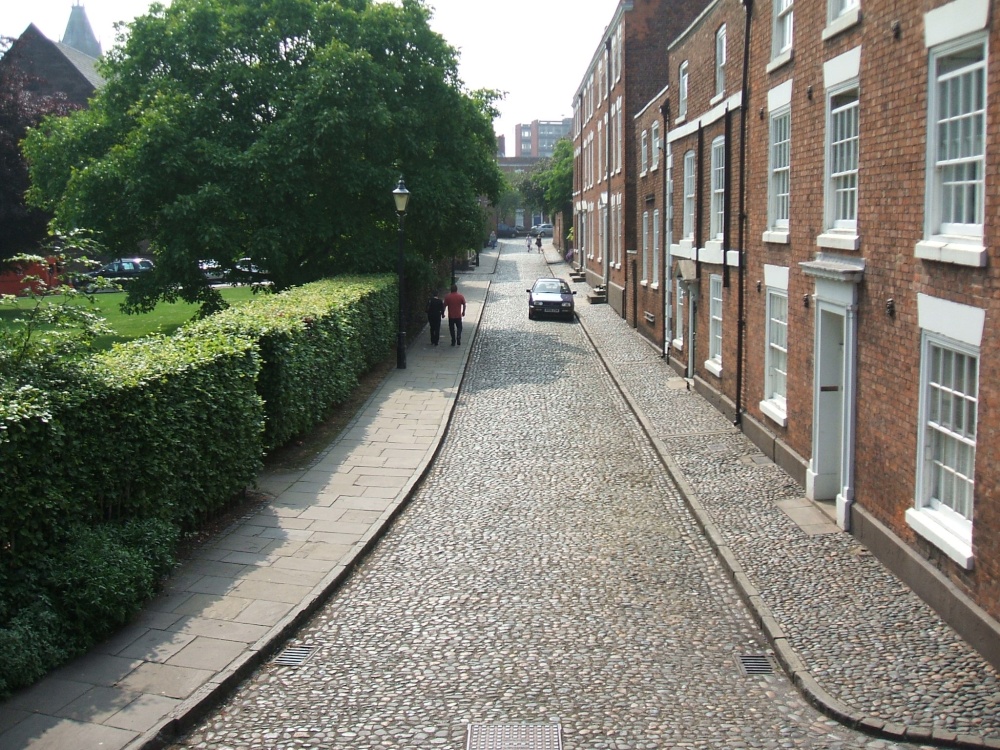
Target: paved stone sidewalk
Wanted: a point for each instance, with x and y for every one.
(855, 640)
(225, 611)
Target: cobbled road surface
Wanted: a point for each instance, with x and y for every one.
(547, 571)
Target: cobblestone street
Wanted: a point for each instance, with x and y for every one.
(546, 571)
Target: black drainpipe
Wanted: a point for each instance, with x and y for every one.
(741, 250)
(607, 176)
(664, 236)
(699, 212)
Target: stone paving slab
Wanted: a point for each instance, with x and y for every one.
(240, 595)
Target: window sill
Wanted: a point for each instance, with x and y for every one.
(680, 120)
(654, 286)
(643, 282)
(714, 366)
(774, 412)
(959, 253)
(783, 59)
(844, 22)
(677, 344)
(838, 241)
(776, 236)
(925, 522)
(717, 98)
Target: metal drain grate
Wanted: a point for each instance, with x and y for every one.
(295, 656)
(753, 664)
(514, 737)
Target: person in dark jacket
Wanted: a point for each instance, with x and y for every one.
(435, 312)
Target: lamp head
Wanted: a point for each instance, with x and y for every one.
(402, 196)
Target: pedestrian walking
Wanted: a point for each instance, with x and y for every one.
(493, 240)
(435, 312)
(455, 303)
(529, 243)
(538, 242)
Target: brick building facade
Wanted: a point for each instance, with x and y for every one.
(845, 322)
(626, 71)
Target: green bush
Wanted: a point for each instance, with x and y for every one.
(315, 341)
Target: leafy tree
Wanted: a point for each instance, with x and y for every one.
(273, 130)
(557, 179)
(21, 106)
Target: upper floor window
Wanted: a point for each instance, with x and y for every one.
(682, 91)
(842, 161)
(839, 8)
(720, 61)
(717, 207)
(779, 182)
(654, 278)
(644, 165)
(654, 144)
(782, 36)
(689, 197)
(957, 140)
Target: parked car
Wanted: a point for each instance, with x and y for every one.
(118, 271)
(550, 296)
(505, 230)
(518, 230)
(212, 270)
(543, 230)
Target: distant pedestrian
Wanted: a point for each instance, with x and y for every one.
(455, 303)
(538, 242)
(529, 242)
(435, 311)
(493, 240)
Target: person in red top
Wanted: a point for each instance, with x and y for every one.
(455, 304)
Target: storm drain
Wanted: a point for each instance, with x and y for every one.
(295, 656)
(514, 737)
(754, 664)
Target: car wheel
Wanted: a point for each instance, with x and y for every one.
(531, 315)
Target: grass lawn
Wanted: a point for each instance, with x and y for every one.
(165, 319)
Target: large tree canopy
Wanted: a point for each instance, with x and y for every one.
(275, 130)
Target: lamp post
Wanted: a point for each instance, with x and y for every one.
(401, 195)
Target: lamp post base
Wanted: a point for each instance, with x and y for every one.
(401, 351)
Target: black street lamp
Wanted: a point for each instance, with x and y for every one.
(402, 196)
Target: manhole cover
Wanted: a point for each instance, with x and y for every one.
(752, 664)
(514, 737)
(295, 656)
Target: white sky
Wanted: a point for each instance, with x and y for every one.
(535, 50)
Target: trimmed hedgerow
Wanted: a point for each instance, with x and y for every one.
(314, 341)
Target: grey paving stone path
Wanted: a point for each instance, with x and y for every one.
(547, 570)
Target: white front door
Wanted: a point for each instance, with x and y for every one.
(823, 478)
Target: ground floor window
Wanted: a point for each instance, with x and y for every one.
(714, 363)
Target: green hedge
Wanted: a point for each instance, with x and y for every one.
(315, 341)
(100, 473)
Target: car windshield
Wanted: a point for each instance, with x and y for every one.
(551, 287)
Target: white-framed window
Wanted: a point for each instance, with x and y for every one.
(602, 164)
(957, 139)
(779, 169)
(842, 160)
(620, 236)
(720, 61)
(717, 202)
(946, 462)
(682, 91)
(776, 356)
(654, 144)
(644, 158)
(655, 275)
(680, 323)
(621, 141)
(782, 34)
(714, 363)
(840, 8)
(645, 247)
(689, 196)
